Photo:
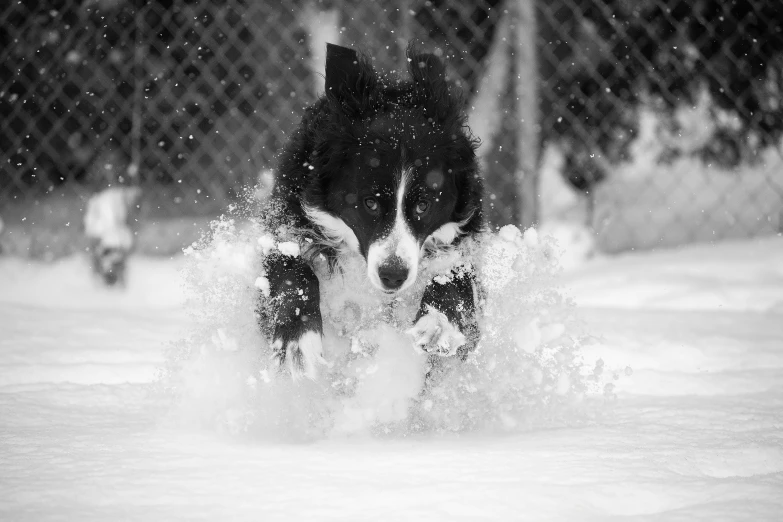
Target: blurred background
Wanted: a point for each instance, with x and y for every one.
(620, 124)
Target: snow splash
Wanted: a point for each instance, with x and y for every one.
(526, 372)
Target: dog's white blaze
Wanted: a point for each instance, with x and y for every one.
(334, 229)
(400, 243)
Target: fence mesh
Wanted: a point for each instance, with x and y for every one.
(667, 113)
(661, 118)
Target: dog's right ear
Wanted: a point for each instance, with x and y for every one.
(349, 79)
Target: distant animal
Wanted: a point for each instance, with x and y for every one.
(109, 227)
(384, 168)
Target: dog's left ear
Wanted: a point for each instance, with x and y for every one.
(429, 79)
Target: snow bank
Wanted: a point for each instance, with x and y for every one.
(526, 370)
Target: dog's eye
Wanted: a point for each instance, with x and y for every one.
(422, 206)
(371, 204)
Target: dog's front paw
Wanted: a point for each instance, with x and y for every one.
(433, 333)
(299, 354)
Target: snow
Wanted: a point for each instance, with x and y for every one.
(288, 248)
(689, 428)
(366, 342)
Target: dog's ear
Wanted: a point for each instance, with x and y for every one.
(342, 68)
(349, 78)
(427, 70)
(429, 80)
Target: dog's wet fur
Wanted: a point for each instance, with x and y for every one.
(385, 168)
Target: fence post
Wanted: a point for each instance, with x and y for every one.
(525, 64)
(134, 169)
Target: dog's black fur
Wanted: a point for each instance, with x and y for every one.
(369, 145)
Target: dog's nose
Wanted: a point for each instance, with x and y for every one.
(393, 275)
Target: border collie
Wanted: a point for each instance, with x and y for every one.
(384, 168)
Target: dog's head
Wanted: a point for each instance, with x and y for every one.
(395, 171)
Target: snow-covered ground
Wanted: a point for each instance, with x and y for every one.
(692, 429)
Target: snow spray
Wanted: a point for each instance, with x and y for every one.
(526, 371)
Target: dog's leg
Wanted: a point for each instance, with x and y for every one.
(291, 314)
(446, 323)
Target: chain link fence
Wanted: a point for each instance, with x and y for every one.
(655, 122)
(666, 114)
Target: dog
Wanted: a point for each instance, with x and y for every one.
(110, 224)
(385, 168)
